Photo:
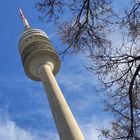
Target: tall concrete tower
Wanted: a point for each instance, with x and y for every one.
(41, 63)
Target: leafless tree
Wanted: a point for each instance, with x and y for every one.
(118, 68)
(88, 26)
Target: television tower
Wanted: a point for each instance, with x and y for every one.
(41, 63)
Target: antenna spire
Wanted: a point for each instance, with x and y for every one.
(24, 20)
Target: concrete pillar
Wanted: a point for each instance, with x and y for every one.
(65, 122)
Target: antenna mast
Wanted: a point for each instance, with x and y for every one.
(24, 20)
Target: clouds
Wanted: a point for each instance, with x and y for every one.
(9, 130)
(90, 131)
(73, 77)
(91, 127)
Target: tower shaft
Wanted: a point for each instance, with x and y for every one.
(65, 122)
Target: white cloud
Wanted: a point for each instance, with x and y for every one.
(91, 128)
(90, 131)
(10, 131)
(73, 75)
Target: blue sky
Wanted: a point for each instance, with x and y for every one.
(24, 108)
